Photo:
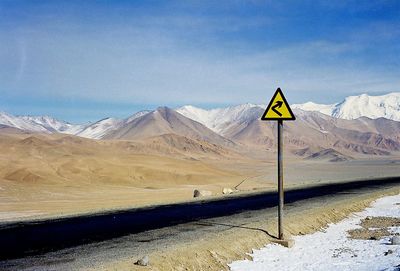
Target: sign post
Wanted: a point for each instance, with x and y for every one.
(278, 109)
(280, 181)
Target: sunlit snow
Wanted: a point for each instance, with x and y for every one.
(332, 249)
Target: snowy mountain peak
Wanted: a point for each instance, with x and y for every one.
(137, 115)
(198, 114)
(49, 123)
(310, 106)
(219, 119)
(364, 105)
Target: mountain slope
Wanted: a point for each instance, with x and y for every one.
(177, 145)
(314, 130)
(100, 128)
(5, 129)
(328, 154)
(166, 121)
(220, 119)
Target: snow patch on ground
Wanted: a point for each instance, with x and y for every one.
(331, 249)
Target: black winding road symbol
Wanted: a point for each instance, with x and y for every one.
(278, 104)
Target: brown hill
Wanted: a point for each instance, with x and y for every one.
(315, 130)
(176, 146)
(167, 121)
(5, 129)
(329, 154)
(78, 161)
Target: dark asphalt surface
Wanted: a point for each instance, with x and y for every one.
(36, 237)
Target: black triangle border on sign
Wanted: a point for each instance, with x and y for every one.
(270, 104)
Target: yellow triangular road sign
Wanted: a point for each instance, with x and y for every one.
(278, 108)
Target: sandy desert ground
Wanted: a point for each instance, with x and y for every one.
(45, 175)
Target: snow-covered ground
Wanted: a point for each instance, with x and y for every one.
(331, 249)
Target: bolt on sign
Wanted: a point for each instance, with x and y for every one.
(279, 110)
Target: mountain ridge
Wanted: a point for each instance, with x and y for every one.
(316, 131)
(166, 121)
(353, 107)
(217, 119)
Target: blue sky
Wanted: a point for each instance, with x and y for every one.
(85, 60)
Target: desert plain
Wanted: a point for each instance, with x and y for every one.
(44, 175)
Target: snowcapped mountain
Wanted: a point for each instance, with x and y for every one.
(223, 121)
(163, 121)
(353, 107)
(220, 119)
(136, 115)
(41, 124)
(103, 127)
(46, 124)
(51, 124)
(100, 128)
(20, 123)
(326, 109)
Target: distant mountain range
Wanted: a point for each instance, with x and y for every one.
(41, 124)
(360, 125)
(353, 107)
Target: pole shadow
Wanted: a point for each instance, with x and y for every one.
(207, 223)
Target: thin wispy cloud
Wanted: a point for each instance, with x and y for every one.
(171, 53)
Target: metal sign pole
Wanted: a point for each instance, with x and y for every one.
(280, 180)
(278, 109)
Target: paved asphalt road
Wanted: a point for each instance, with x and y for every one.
(26, 239)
